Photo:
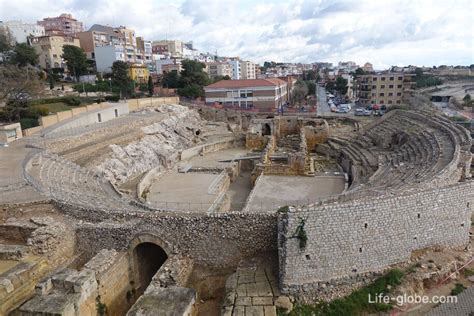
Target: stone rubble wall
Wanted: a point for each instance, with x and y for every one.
(346, 240)
(160, 147)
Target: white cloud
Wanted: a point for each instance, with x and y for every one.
(384, 32)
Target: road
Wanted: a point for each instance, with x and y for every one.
(323, 106)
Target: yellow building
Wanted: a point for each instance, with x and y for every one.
(139, 73)
(50, 49)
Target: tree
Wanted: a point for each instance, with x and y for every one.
(311, 87)
(193, 73)
(300, 91)
(120, 77)
(191, 91)
(151, 88)
(19, 84)
(359, 72)
(170, 79)
(4, 41)
(24, 55)
(467, 100)
(76, 60)
(341, 85)
(311, 75)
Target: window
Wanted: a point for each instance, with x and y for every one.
(390, 86)
(374, 87)
(116, 112)
(399, 94)
(373, 94)
(374, 79)
(382, 94)
(390, 102)
(382, 78)
(382, 86)
(400, 78)
(392, 78)
(390, 94)
(373, 101)
(382, 101)
(398, 102)
(399, 86)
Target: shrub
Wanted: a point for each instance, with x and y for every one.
(28, 122)
(73, 101)
(458, 288)
(113, 98)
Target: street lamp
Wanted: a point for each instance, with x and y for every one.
(110, 84)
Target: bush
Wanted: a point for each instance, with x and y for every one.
(357, 302)
(112, 98)
(458, 288)
(73, 101)
(28, 122)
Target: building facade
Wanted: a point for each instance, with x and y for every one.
(105, 56)
(90, 40)
(218, 69)
(247, 70)
(50, 49)
(63, 24)
(261, 94)
(19, 32)
(145, 52)
(170, 48)
(138, 73)
(384, 88)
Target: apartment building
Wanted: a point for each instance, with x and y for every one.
(19, 32)
(90, 40)
(247, 70)
(50, 49)
(138, 73)
(236, 71)
(105, 56)
(384, 88)
(63, 24)
(261, 94)
(171, 48)
(144, 48)
(218, 69)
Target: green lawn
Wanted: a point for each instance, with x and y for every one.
(55, 107)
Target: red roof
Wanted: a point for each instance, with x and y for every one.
(246, 83)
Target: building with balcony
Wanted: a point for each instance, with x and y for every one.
(170, 48)
(261, 94)
(384, 88)
(247, 70)
(63, 24)
(19, 32)
(50, 49)
(144, 50)
(138, 73)
(218, 69)
(90, 40)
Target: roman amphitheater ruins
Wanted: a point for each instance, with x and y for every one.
(132, 213)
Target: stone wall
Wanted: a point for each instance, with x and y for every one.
(215, 240)
(352, 238)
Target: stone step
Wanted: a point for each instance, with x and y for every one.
(13, 252)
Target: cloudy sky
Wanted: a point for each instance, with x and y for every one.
(384, 32)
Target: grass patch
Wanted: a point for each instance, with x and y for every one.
(458, 288)
(54, 107)
(357, 302)
(467, 272)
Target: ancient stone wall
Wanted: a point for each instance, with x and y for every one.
(216, 240)
(369, 234)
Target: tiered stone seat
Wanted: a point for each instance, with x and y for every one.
(67, 182)
(428, 148)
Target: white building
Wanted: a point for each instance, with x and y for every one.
(20, 31)
(105, 56)
(236, 72)
(350, 85)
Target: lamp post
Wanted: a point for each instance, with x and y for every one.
(110, 84)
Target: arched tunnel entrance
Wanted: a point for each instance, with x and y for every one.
(266, 130)
(148, 258)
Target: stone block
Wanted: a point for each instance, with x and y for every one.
(254, 311)
(44, 288)
(243, 301)
(270, 310)
(265, 300)
(242, 290)
(239, 311)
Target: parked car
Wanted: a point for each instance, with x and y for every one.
(367, 113)
(359, 112)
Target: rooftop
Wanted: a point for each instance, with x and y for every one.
(247, 83)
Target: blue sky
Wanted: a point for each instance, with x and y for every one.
(384, 32)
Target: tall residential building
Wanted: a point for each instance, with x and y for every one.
(105, 56)
(261, 94)
(218, 69)
(50, 49)
(247, 70)
(19, 32)
(236, 71)
(384, 88)
(171, 48)
(144, 48)
(90, 40)
(63, 24)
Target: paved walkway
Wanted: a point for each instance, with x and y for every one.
(251, 291)
(463, 307)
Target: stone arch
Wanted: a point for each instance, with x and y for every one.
(147, 253)
(266, 129)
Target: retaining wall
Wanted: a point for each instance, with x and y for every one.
(359, 236)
